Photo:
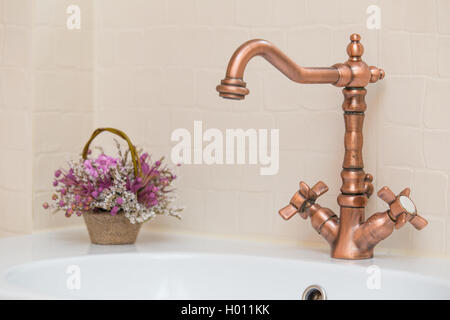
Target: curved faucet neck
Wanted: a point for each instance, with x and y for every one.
(279, 60)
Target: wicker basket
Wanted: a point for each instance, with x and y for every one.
(103, 228)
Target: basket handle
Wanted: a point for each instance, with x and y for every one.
(133, 152)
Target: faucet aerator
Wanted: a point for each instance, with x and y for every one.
(230, 88)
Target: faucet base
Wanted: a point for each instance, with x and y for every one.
(352, 255)
(345, 246)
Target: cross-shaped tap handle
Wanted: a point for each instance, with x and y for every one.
(303, 199)
(401, 208)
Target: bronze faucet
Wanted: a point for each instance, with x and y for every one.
(349, 236)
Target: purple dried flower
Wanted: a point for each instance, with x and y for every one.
(105, 162)
(57, 173)
(90, 169)
(114, 210)
(119, 201)
(144, 157)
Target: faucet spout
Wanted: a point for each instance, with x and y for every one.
(233, 86)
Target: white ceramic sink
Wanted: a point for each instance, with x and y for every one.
(176, 267)
(211, 276)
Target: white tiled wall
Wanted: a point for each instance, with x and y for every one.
(414, 120)
(46, 96)
(151, 66)
(15, 117)
(63, 97)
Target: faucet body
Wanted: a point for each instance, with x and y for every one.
(350, 236)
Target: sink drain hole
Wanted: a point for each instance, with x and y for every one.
(314, 292)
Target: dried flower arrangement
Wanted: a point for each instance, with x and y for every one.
(137, 187)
